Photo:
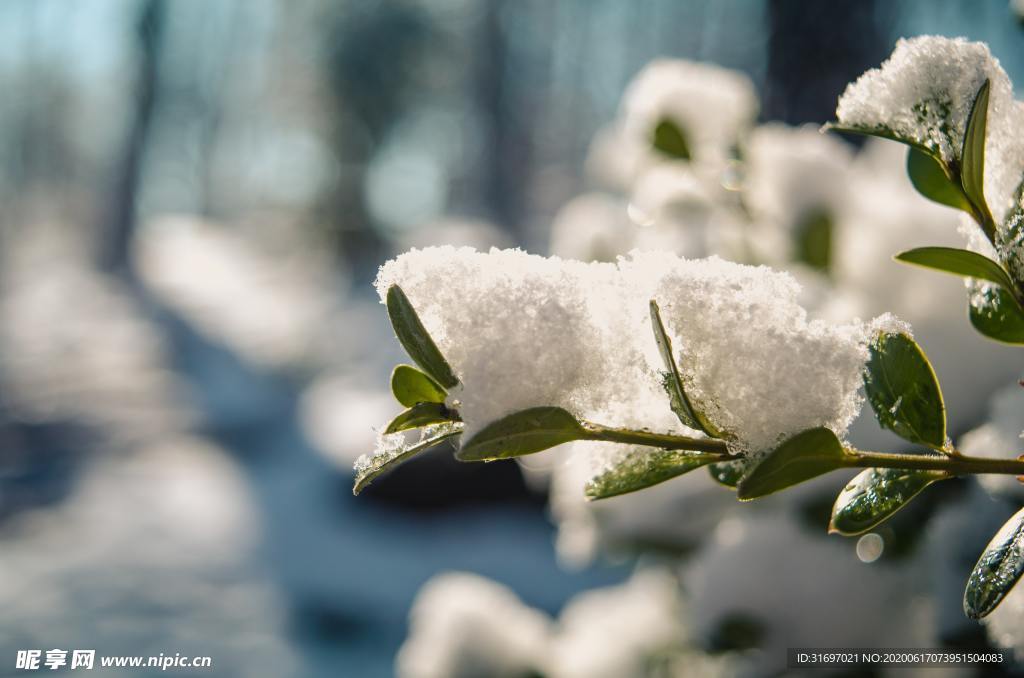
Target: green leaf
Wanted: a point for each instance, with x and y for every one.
(930, 179)
(806, 455)
(678, 400)
(874, 495)
(958, 262)
(814, 240)
(995, 314)
(415, 339)
(670, 140)
(383, 460)
(729, 473)
(903, 391)
(411, 387)
(522, 433)
(972, 162)
(420, 414)
(644, 467)
(998, 569)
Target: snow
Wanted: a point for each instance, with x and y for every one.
(866, 282)
(269, 305)
(592, 227)
(516, 328)
(578, 336)
(793, 173)
(923, 94)
(338, 417)
(615, 631)
(76, 343)
(463, 625)
(153, 552)
(752, 360)
(712, 106)
(803, 589)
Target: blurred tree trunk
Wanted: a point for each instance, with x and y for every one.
(120, 219)
(814, 50)
(506, 142)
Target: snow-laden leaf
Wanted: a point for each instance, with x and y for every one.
(521, 433)
(411, 387)
(806, 455)
(995, 314)
(416, 340)
(958, 262)
(678, 400)
(998, 569)
(644, 467)
(903, 390)
(930, 179)
(972, 162)
(670, 140)
(874, 495)
(419, 415)
(393, 449)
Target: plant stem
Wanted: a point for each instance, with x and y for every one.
(667, 441)
(955, 464)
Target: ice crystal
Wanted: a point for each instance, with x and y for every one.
(397, 447)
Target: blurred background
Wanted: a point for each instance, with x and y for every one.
(195, 200)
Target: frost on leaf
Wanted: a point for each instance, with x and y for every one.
(922, 95)
(395, 448)
(641, 468)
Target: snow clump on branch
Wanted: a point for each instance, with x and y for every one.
(525, 331)
(923, 95)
